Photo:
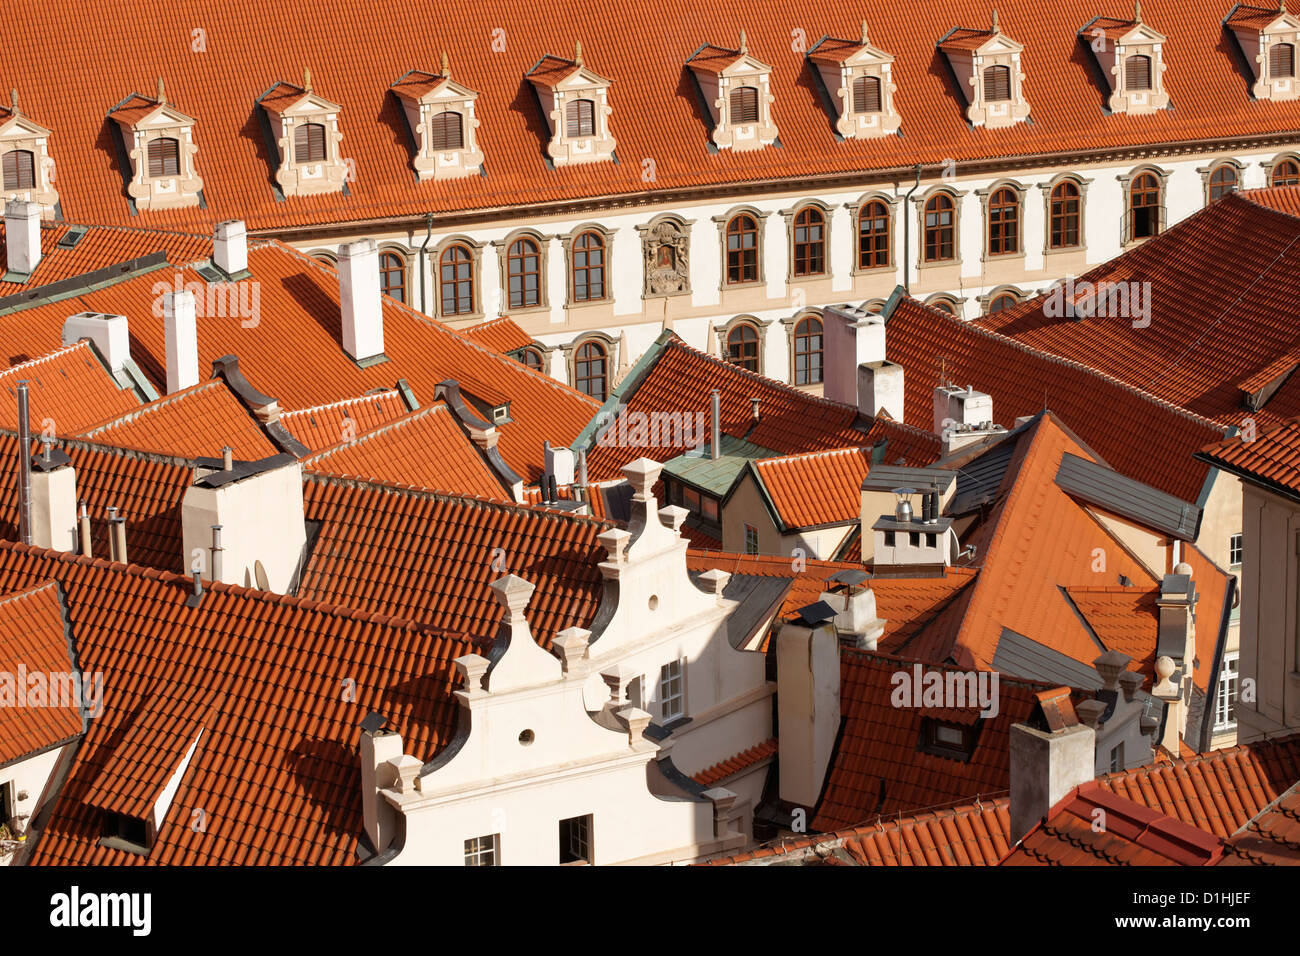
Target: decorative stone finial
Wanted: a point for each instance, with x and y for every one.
(996, 28)
(162, 94)
(577, 52)
(865, 41)
(306, 78)
(1137, 11)
(446, 66)
(13, 99)
(744, 44)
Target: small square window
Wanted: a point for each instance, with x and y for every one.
(672, 691)
(709, 507)
(124, 832)
(575, 840)
(1235, 550)
(483, 851)
(1117, 758)
(931, 540)
(914, 538)
(944, 739)
(889, 539)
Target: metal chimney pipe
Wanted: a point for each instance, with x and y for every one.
(715, 432)
(84, 523)
(24, 467)
(228, 458)
(217, 564)
(582, 472)
(112, 538)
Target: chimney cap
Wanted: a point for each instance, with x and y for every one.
(817, 613)
(850, 577)
(374, 723)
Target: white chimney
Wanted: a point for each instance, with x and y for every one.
(963, 416)
(230, 247)
(181, 339)
(23, 235)
(559, 462)
(54, 502)
(852, 337)
(808, 706)
(363, 318)
(880, 389)
(379, 748)
(110, 333)
(1045, 766)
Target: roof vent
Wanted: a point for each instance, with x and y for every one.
(903, 510)
(73, 236)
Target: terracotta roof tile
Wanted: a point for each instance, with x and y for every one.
(720, 771)
(1272, 459)
(1272, 838)
(501, 334)
(817, 488)
(34, 641)
(324, 426)
(67, 389)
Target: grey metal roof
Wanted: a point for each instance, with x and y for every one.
(759, 595)
(1020, 656)
(916, 525)
(978, 480)
(716, 477)
(1100, 486)
(889, 477)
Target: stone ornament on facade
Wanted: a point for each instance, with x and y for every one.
(665, 251)
(1129, 53)
(575, 103)
(1268, 38)
(987, 66)
(858, 76)
(440, 114)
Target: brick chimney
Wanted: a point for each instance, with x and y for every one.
(808, 701)
(359, 301)
(1048, 760)
(230, 247)
(23, 236)
(181, 340)
(856, 370)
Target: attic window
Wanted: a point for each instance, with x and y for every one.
(19, 169)
(1137, 72)
(446, 132)
(580, 119)
(164, 158)
(997, 83)
(309, 143)
(125, 833)
(944, 739)
(744, 105)
(1281, 60)
(866, 94)
(1286, 173)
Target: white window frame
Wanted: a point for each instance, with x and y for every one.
(1237, 548)
(1229, 680)
(477, 854)
(672, 703)
(751, 533)
(580, 828)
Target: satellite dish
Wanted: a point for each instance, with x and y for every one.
(260, 573)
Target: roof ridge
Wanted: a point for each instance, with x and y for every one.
(163, 402)
(118, 450)
(1247, 195)
(46, 357)
(883, 658)
(28, 591)
(370, 396)
(797, 456)
(383, 429)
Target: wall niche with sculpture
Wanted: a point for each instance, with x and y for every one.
(665, 249)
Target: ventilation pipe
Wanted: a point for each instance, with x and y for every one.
(715, 431)
(83, 523)
(216, 563)
(24, 467)
(907, 233)
(118, 529)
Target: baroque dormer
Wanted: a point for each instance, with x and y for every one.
(737, 92)
(575, 101)
(987, 66)
(1129, 53)
(160, 149)
(304, 130)
(858, 77)
(25, 156)
(1268, 37)
(440, 114)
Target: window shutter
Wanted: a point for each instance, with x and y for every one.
(997, 83)
(309, 143)
(1137, 73)
(866, 95)
(19, 170)
(445, 132)
(164, 158)
(580, 118)
(744, 106)
(1281, 60)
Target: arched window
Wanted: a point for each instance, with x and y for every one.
(1003, 301)
(524, 273)
(532, 358)
(309, 143)
(392, 275)
(742, 249)
(446, 132)
(164, 158)
(938, 228)
(742, 346)
(580, 118)
(1144, 206)
(1064, 213)
(997, 83)
(866, 94)
(744, 105)
(1004, 222)
(943, 304)
(589, 369)
(588, 267)
(808, 351)
(19, 169)
(324, 258)
(873, 235)
(809, 242)
(1286, 173)
(1137, 72)
(457, 270)
(1222, 181)
(1281, 60)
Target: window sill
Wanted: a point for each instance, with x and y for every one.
(528, 309)
(874, 270)
(740, 286)
(461, 317)
(938, 264)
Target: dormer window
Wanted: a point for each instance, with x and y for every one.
(987, 66)
(440, 115)
(1129, 53)
(575, 103)
(735, 88)
(856, 75)
(24, 155)
(304, 136)
(158, 145)
(1268, 38)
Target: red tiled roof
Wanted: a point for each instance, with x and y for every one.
(964, 40)
(1252, 17)
(324, 426)
(551, 70)
(33, 641)
(714, 59)
(417, 83)
(1243, 258)
(701, 539)
(1112, 28)
(99, 248)
(430, 557)
(972, 835)
(133, 109)
(879, 768)
(501, 334)
(67, 390)
(1131, 835)
(425, 449)
(1272, 459)
(1270, 839)
(1125, 619)
(1138, 435)
(196, 422)
(720, 771)
(817, 488)
(275, 772)
(298, 313)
